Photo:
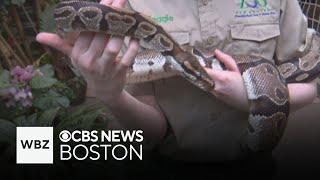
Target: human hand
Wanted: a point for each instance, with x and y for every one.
(94, 55)
(229, 86)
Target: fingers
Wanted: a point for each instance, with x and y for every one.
(119, 3)
(222, 80)
(227, 60)
(79, 57)
(81, 46)
(111, 51)
(129, 56)
(54, 41)
(106, 2)
(216, 75)
(98, 44)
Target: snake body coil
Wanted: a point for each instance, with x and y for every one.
(264, 81)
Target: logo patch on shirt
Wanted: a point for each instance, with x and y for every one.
(254, 8)
(163, 19)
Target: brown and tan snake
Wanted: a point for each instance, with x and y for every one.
(265, 82)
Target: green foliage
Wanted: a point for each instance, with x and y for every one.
(15, 2)
(47, 70)
(51, 99)
(4, 79)
(81, 117)
(18, 2)
(47, 23)
(10, 113)
(47, 117)
(39, 82)
(7, 131)
(47, 92)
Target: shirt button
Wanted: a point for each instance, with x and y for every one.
(210, 40)
(205, 2)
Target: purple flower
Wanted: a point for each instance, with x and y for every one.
(17, 71)
(20, 95)
(23, 75)
(14, 96)
(26, 77)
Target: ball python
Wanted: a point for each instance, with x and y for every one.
(265, 82)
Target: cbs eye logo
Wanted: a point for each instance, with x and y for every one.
(65, 136)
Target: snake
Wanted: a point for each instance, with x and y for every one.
(265, 82)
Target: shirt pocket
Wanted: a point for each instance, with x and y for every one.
(254, 39)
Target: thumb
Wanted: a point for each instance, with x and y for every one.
(55, 42)
(119, 3)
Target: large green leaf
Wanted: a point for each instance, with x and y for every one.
(20, 121)
(47, 117)
(51, 100)
(81, 117)
(32, 120)
(47, 23)
(39, 82)
(47, 70)
(10, 113)
(7, 131)
(4, 78)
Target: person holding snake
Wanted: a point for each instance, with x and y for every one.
(206, 80)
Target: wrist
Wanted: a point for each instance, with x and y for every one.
(114, 100)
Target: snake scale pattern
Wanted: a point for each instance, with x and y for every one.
(265, 82)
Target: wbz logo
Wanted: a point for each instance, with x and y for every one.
(34, 145)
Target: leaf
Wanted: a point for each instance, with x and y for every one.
(47, 23)
(20, 121)
(31, 120)
(81, 116)
(84, 109)
(47, 117)
(85, 121)
(51, 100)
(47, 70)
(39, 82)
(18, 2)
(4, 78)
(10, 113)
(7, 131)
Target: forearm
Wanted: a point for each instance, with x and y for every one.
(301, 94)
(135, 114)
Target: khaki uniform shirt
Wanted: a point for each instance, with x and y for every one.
(202, 128)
